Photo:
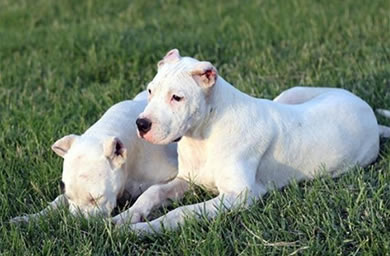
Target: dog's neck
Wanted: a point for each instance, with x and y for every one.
(221, 98)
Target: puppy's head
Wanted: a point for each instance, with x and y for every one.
(93, 173)
(177, 98)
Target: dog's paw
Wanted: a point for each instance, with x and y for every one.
(142, 228)
(127, 217)
(19, 219)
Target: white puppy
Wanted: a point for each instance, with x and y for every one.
(108, 161)
(241, 146)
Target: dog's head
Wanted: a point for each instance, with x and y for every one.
(93, 173)
(177, 98)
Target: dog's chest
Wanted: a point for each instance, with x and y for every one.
(193, 160)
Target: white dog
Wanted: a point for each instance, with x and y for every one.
(241, 146)
(108, 161)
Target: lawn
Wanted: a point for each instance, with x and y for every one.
(63, 63)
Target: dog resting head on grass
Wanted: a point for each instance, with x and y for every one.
(94, 172)
(109, 161)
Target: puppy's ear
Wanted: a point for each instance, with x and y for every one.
(61, 146)
(171, 56)
(205, 74)
(115, 150)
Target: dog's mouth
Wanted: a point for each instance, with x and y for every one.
(140, 134)
(177, 140)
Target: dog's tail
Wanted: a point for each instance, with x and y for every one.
(384, 131)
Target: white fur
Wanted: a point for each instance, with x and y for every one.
(240, 146)
(95, 176)
(384, 131)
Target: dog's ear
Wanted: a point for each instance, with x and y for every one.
(171, 56)
(61, 146)
(115, 150)
(205, 74)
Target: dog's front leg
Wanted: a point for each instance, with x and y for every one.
(59, 201)
(153, 197)
(237, 188)
(221, 203)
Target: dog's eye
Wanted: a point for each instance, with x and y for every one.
(62, 186)
(149, 91)
(176, 98)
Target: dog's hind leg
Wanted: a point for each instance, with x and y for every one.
(59, 201)
(298, 95)
(384, 131)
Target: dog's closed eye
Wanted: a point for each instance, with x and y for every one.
(95, 200)
(92, 201)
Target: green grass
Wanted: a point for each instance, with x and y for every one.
(63, 63)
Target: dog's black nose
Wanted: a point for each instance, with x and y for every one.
(143, 125)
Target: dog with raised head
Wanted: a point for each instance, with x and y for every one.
(240, 146)
(109, 162)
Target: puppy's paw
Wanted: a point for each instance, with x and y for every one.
(127, 217)
(19, 219)
(142, 228)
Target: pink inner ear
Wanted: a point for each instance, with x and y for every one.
(209, 73)
(172, 55)
(118, 147)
